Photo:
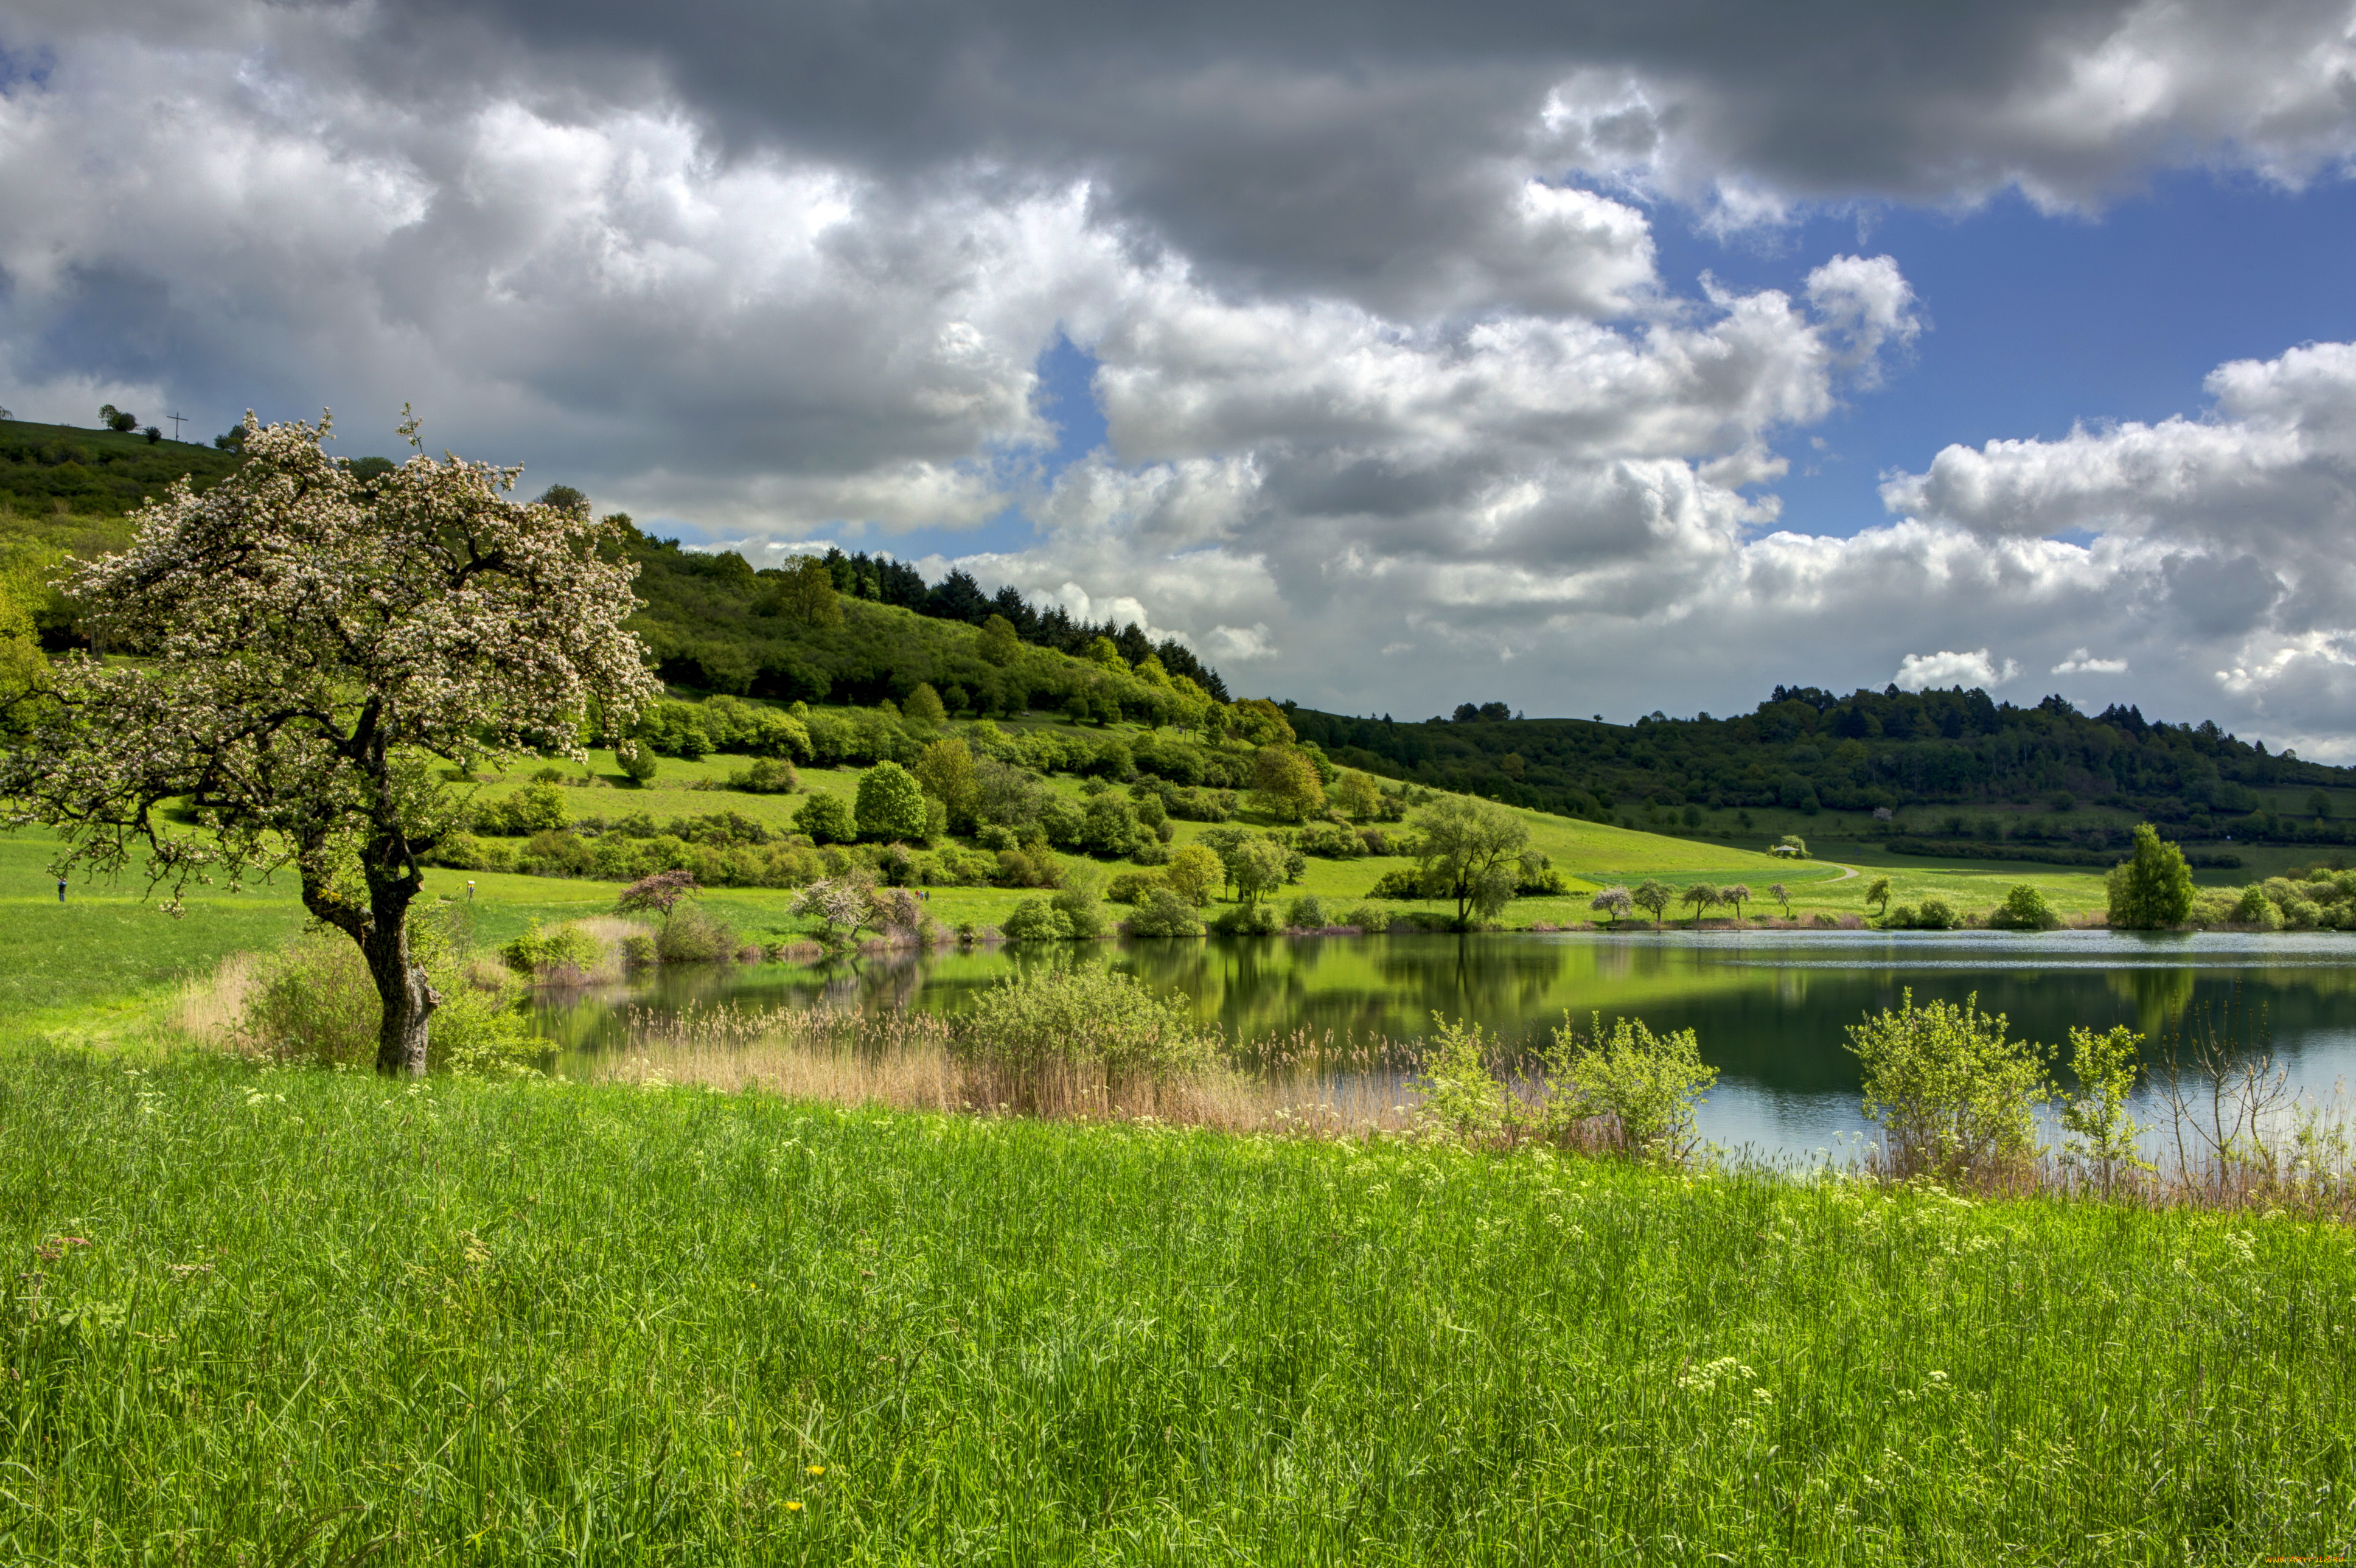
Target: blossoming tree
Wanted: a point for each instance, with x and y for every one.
(309, 643)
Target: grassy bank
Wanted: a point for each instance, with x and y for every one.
(280, 1315)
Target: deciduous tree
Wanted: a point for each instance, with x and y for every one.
(946, 771)
(803, 591)
(1285, 783)
(1654, 898)
(924, 705)
(308, 647)
(891, 804)
(1357, 797)
(998, 641)
(1470, 850)
(1192, 873)
(2152, 889)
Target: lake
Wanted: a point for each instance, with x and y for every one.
(1769, 1007)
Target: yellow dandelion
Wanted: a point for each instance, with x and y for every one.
(793, 1507)
(818, 1469)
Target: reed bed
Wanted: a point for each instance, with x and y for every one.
(904, 1060)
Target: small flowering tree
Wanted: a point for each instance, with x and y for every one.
(310, 643)
(659, 894)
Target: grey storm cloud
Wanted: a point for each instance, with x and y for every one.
(1396, 397)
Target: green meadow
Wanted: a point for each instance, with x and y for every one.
(290, 1316)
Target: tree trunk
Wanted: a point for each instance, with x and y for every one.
(408, 1000)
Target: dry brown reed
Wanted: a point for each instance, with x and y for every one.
(905, 1061)
(211, 1009)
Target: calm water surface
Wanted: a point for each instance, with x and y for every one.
(1770, 1007)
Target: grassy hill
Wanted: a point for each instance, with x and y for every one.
(57, 470)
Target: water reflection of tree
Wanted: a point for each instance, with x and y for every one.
(1778, 1026)
(2158, 997)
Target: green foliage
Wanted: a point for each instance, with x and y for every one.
(826, 820)
(2151, 890)
(1371, 919)
(1193, 873)
(1464, 1102)
(693, 934)
(924, 705)
(1878, 894)
(93, 474)
(1644, 1087)
(1036, 920)
(1162, 913)
(766, 776)
(891, 804)
(1956, 1097)
(1136, 886)
(2101, 1134)
(1931, 915)
(1470, 854)
(315, 1001)
(1109, 826)
(1308, 912)
(545, 949)
(1701, 897)
(1079, 902)
(1654, 898)
(1285, 783)
(1254, 864)
(637, 760)
(998, 641)
(2253, 907)
(2024, 909)
(1807, 749)
(536, 808)
(1259, 919)
(1077, 1017)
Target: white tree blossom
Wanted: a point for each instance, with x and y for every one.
(307, 644)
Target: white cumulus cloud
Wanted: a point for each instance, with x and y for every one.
(1919, 671)
(2083, 663)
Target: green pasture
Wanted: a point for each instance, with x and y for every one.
(1590, 854)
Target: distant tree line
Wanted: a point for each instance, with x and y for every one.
(1807, 749)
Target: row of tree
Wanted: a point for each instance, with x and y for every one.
(1805, 749)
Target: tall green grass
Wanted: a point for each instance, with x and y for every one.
(272, 1315)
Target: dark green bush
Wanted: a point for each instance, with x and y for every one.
(1259, 919)
(1036, 920)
